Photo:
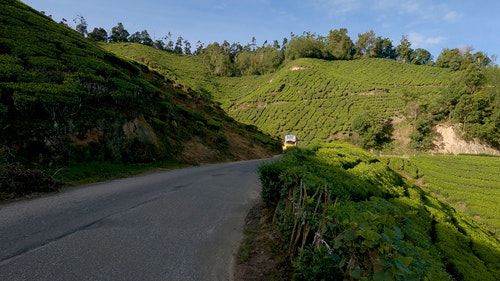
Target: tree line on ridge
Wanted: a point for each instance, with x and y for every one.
(235, 59)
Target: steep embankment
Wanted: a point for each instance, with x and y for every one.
(64, 100)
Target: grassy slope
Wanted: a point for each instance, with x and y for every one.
(65, 100)
(182, 69)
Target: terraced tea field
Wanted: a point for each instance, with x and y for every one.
(318, 100)
(469, 183)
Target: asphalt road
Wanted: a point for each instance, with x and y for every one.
(182, 224)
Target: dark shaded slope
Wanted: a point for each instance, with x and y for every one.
(65, 100)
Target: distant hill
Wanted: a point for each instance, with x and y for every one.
(375, 103)
(65, 100)
(319, 100)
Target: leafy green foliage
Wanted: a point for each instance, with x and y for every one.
(63, 85)
(372, 134)
(471, 100)
(344, 215)
(422, 135)
(182, 70)
(307, 46)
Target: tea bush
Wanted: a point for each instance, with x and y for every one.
(344, 215)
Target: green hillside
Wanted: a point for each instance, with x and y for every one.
(318, 100)
(342, 214)
(375, 103)
(183, 69)
(367, 101)
(65, 101)
(314, 99)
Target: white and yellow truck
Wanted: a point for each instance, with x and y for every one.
(290, 141)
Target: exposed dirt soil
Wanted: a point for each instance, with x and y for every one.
(450, 140)
(260, 257)
(293, 68)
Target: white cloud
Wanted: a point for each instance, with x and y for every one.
(418, 10)
(411, 8)
(452, 16)
(338, 7)
(420, 41)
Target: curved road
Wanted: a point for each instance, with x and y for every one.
(182, 224)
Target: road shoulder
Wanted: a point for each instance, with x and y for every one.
(260, 257)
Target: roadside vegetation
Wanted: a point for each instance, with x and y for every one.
(342, 214)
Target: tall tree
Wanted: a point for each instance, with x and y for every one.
(450, 58)
(340, 44)
(135, 37)
(169, 46)
(284, 44)
(199, 48)
(119, 33)
(276, 45)
(146, 39)
(178, 45)
(159, 44)
(218, 61)
(98, 34)
(420, 56)
(263, 60)
(187, 47)
(365, 45)
(304, 47)
(254, 43)
(81, 25)
(383, 48)
(481, 59)
(141, 38)
(404, 50)
(474, 77)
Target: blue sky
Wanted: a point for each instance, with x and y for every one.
(428, 24)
